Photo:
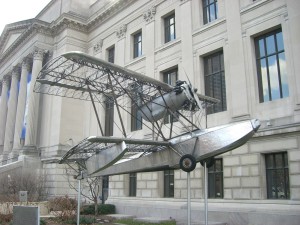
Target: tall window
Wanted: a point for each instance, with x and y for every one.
(109, 117)
(136, 116)
(170, 28)
(210, 10)
(132, 184)
(215, 81)
(169, 183)
(277, 171)
(105, 186)
(111, 54)
(137, 44)
(170, 77)
(271, 66)
(215, 179)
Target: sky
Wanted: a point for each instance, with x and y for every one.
(16, 10)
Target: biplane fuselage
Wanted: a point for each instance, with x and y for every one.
(172, 101)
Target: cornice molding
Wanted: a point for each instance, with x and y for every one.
(65, 21)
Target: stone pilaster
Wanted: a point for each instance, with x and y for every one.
(3, 110)
(33, 106)
(21, 107)
(11, 112)
(236, 68)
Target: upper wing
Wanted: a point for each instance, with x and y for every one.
(74, 74)
(80, 76)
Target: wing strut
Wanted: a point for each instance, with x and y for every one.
(97, 116)
(139, 107)
(117, 105)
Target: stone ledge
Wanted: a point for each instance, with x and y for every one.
(153, 220)
(121, 216)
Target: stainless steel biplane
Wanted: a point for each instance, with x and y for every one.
(179, 144)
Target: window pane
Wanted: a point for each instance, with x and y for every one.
(270, 41)
(219, 185)
(212, 12)
(269, 161)
(274, 81)
(264, 80)
(261, 44)
(279, 40)
(283, 75)
(278, 161)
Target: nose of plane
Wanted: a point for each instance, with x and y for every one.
(255, 124)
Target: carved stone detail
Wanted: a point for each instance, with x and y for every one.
(149, 14)
(16, 72)
(38, 54)
(98, 46)
(26, 63)
(6, 80)
(121, 31)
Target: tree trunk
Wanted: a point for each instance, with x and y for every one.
(96, 206)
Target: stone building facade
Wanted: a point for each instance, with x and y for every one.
(244, 52)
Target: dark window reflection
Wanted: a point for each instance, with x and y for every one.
(215, 81)
(215, 180)
(210, 10)
(169, 183)
(277, 172)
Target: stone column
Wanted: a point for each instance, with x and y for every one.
(3, 110)
(11, 113)
(21, 108)
(33, 106)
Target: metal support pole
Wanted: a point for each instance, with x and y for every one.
(189, 198)
(78, 197)
(205, 194)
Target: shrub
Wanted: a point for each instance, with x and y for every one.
(103, 209)
(88, 210)
(106, 209)
(5, 218)
(82, 220)
(63, 207)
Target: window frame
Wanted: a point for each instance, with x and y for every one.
(132, 184)
(136, 116)
(274, 168)
(109, 117)
(111, 54)
(206, 4)
(210, 77)
(265, 57)
(167, 79)
(212, 172)
(167, 27)
(137, 44)
(169, 183)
